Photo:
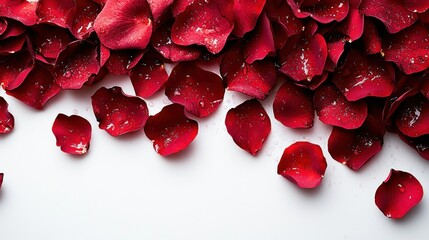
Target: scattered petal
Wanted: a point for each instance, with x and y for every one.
(323, 11)
(72, 133)
(261, 43)
(14, 69)
(371, 38)
(81, 18)
(7, 121)
(420, 144)
(246, 15)
(49, 40)
(412, 116)
(419, 6)
(120, 62)
(54, 11)
(21, 10)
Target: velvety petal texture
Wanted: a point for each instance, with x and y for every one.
(72, 133)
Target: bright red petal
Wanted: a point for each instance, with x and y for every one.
(170, 130)
(398, 194)
(73, 133)
(303, 163)
(249, 125)
(7, 121)
(21, 10)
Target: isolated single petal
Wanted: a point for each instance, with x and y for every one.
(72, 133)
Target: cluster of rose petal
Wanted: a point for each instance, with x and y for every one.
(361, 65)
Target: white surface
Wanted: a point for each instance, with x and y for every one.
(214, 190)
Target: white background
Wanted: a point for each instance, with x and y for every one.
(213, 190)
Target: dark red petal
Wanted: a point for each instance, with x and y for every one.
(419, 6)
(7, 121)
(249, 125)
(371, 38)
(21, 10)
(364, 76)
(73, 133)
(394, 15)
(14, 68)
(1, 179)
(179, 6)
(398, 194)
(120, 62)
(353, 25)
(293, 106)
(3, 26)
(246, 15)
(37, 88)
(420, 144)
(54, 11)
(412, 117)
(49, 40)
(11, 44)
(303, 57)
(424, 85)
(162, 42)
(335, 44)
(261, 43)
(124, 24)
(148, 76)
(303, 163)
(199, 91)
(81, 19)
(323, 11)
(76, 64)
(12, 29)
(170, 130)
(255, 80)
(210, 29)
(118, 113)
(315, 82)
(334, 109)
(159, 7)
(409, 49)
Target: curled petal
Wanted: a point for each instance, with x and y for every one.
(210, 29)
(37, 88)
(246, 15)
(261, 42)
(409, 49)
(162, 42)
(398, 194)
(334, 109)
(11, 45)
(420, 144)
(73, 133)
(255, 80)
(293, 106)
(394, 15)
(303, 57)
(199, 91)
(53, 11)
(371, 38)
(15, 68)
(412, 117)
(363, 76)
(148, 76)
(11, 28)
(303, 163)
(81, 18)
(124, 24)
(159, 7)
(49, 40)
(170, 130)
(76, 64)
(120, 62)
(419, 6)
(118, 113)
(249, 125)
(21, 10)
(323, 11)
(179, 6)
(7, 121)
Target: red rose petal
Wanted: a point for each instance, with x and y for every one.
(261, 43)
(398, 194)
(255, 80)
(76, 64)
(7, 121)
(424, 85)
(419, 6)
(323, 11)
(409, 49)
(179, 6)
(364, 76)
(118, 113)
(412, 116)
(21, 10)
(394, 15)
(371, 38)
(199, 91)
(3, 25)
(72, 133)
(249, 125)
(303, 163)
(303, 57)
(37, 88)
(11, 28)
(170, 130)
(148, 76)
(54, 11)
(11, 44)
(335, 44)
(246, 15)
(14, 69)
(334, 109)
(210, 29)
(49, 40)
(293, 106)
(420, 144)
(81, 18)
(124, 24)
(315, 82)
(1, 179)
(120, 62)
(353, 25)
(159, 7)
(162, 42)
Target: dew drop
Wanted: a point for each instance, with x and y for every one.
(401, 188)
(67, 74)
(201, 103)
